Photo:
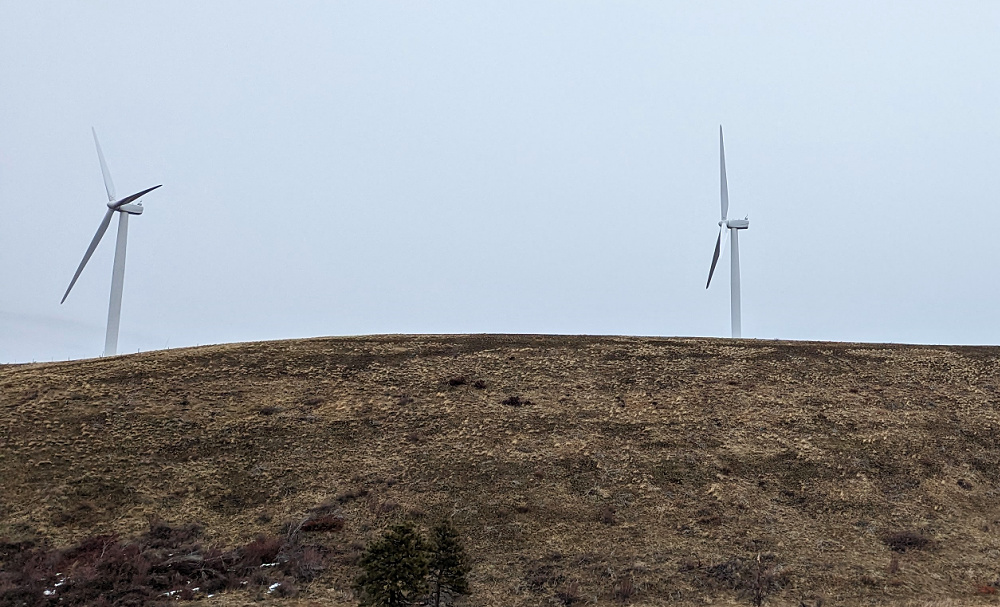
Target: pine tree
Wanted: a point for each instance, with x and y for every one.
(448, 565)
(394, 569)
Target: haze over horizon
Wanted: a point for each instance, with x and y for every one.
(521, 167)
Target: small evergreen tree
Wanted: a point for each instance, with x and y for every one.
(448, 565)
(394, 569)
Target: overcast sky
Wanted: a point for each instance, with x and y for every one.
(341, 168)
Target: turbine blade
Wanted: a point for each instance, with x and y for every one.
(109, 185)
(90, 250)
(133, 197)
(715, 257)
(722, 171)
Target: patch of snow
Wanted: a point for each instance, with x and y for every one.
(49, 592)
(269, 565)
(273, 587)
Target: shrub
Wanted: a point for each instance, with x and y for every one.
(515, 401)
(448, 565)
(394, 569)
(402, 568)
(164, 564)
(261, 551)
(325, 523)
(606, 515)
(902, 541)
(762, 581)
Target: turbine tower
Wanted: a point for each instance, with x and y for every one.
(734, 226)
(124, 208)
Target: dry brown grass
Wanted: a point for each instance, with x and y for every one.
(651, 461)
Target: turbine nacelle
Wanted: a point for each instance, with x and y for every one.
(738, 224)
(131, 209)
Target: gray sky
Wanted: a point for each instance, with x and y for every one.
(551, 167)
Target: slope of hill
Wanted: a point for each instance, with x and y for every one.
(626, 470)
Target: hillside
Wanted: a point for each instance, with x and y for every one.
(629, 470)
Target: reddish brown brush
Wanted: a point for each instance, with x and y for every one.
(165, 563)
(325, 523)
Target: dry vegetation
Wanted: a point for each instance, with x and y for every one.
(579, 470)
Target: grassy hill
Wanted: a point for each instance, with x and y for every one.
(627, 470)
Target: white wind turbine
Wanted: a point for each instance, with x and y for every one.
(734, 226)
(124, 208)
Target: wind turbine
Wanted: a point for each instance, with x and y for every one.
(734, 226)
(124, 208)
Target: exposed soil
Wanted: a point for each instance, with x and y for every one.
(579, 470)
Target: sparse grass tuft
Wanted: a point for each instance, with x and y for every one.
(568, 594)
(624, 590)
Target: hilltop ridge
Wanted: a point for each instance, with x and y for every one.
(579, 469)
